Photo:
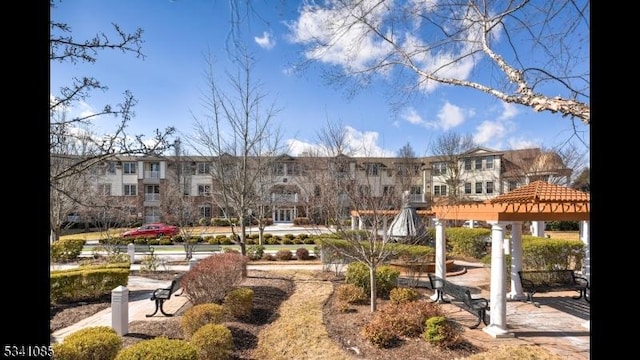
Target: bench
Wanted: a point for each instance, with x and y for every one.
(191, 248)
(476, 305)
(553, 280)
(139, 248)
(161, 295)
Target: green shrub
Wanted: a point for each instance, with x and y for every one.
(255, 252)
(403, 295)
(239, 302)
(386, 278)
(96, 343)
(199, 315)
(64, 351)
(467, 242)
(441, 332)
(213, 341)
(159, 348)
(66, 249)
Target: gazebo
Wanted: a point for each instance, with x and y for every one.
(539, 201)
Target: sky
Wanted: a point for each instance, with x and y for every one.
(170, 81)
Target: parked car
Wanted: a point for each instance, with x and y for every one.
(152, 230)
(476, 224)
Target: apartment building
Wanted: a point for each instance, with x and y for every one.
(159, 188)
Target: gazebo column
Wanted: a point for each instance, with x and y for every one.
(498, 300)
(441, 251)
(360, 223)
(354, 222)
(516, 292)
(584, 236)
(537, 228)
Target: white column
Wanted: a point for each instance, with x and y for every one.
(498, 301)
(360, 223)
(441, 252)
(516, 292)
(537, 228)
(586, 239)
(120, 310)
(354, 222)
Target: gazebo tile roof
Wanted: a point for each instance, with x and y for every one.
(541, 191)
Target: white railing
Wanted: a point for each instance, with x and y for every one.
(151, 197)
(149, 174)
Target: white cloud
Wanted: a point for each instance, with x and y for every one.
(450, 116)
(412, 117)
(489, 132)
(509, 111)
(359, 143)
(266, 41)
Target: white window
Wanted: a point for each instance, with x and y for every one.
(203, 168)
(278, 169)
(467, 164)
(467, 188)
(204, 189)
(104, 189)
(440, 190)
(489, 161)
(489, 187)
(129, 168)
(205, 211)
(478, 163)
(478, 188)
(130, 190)
(440, 169)
(373, 169)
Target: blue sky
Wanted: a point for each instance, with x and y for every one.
(168, 84)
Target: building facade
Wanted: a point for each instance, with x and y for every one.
(145, 189)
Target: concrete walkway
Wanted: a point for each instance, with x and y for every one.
(560, 324)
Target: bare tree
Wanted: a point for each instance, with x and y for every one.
(532, 53)
(344, 185)
(74, 148)
(238, 132)
(447, 167)
(408, 171)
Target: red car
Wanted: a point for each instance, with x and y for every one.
(152, 230)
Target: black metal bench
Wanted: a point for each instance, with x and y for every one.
(534, 281)
(476, 305)
(191, 248)
(161, 295)
(138, 248)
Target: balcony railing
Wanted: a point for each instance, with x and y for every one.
(152, 174)
(151, 197)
